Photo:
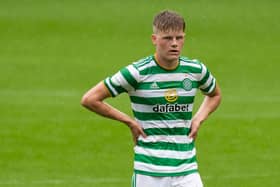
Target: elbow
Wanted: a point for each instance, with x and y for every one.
(93, 99)
(85, 101)
(90, 102)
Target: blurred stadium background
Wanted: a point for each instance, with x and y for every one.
(52, 51)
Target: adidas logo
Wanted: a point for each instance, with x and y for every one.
(154, 86)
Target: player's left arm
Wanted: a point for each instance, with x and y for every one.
(210, 103)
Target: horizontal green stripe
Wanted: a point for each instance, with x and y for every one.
(163, 161)
(181, 69)
(142, 62)
(119, 89)
(164, 85)
(166, 146)
(206, 90)
(155, 174)
(108, 87)
(205, 78)
(167, 131)
(163, 116)
(160, 100)
(128, 77)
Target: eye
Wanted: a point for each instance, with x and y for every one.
(167, 38)
(179, 37)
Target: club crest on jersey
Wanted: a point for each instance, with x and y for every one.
(187, 84)
(171, 95)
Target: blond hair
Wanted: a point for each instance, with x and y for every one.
(168, 21)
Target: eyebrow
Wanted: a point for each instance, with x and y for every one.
(171, 36)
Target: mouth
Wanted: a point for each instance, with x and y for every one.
(173, 52)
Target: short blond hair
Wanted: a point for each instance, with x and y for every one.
(168, 21)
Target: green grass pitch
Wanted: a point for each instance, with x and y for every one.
(52, 51)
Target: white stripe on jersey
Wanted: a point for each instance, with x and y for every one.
(182, 139)
(207, 83)
(164, 169)
(134, 72)
(160, 77)
(183, 63)
(164, 123)
(151, 64)
(204, 71)
(118, 80)
(111, 87)
(165, 153)
(212, 87)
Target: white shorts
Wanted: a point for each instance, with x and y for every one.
(191, 180)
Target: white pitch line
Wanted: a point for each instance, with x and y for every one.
(58, 93)
(242, 176)
(122, 180)
(65, 181)
(248, 116)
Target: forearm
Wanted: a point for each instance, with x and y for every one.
(106, 110)
(94, 101)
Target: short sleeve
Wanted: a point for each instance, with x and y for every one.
(207, 82)
(124, 80)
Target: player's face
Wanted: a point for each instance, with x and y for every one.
(169, 45)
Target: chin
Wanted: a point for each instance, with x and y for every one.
(173, 57)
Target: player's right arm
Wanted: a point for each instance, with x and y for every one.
(94, 101)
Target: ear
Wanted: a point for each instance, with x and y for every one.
(154, 39)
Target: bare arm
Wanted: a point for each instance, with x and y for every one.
(94, 101)
(209, 105)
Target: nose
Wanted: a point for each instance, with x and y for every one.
(174, 42)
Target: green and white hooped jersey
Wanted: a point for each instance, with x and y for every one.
(162, 103)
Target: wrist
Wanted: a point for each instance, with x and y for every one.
(129, 122)
(197, 120)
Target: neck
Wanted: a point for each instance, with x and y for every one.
(166, 64)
